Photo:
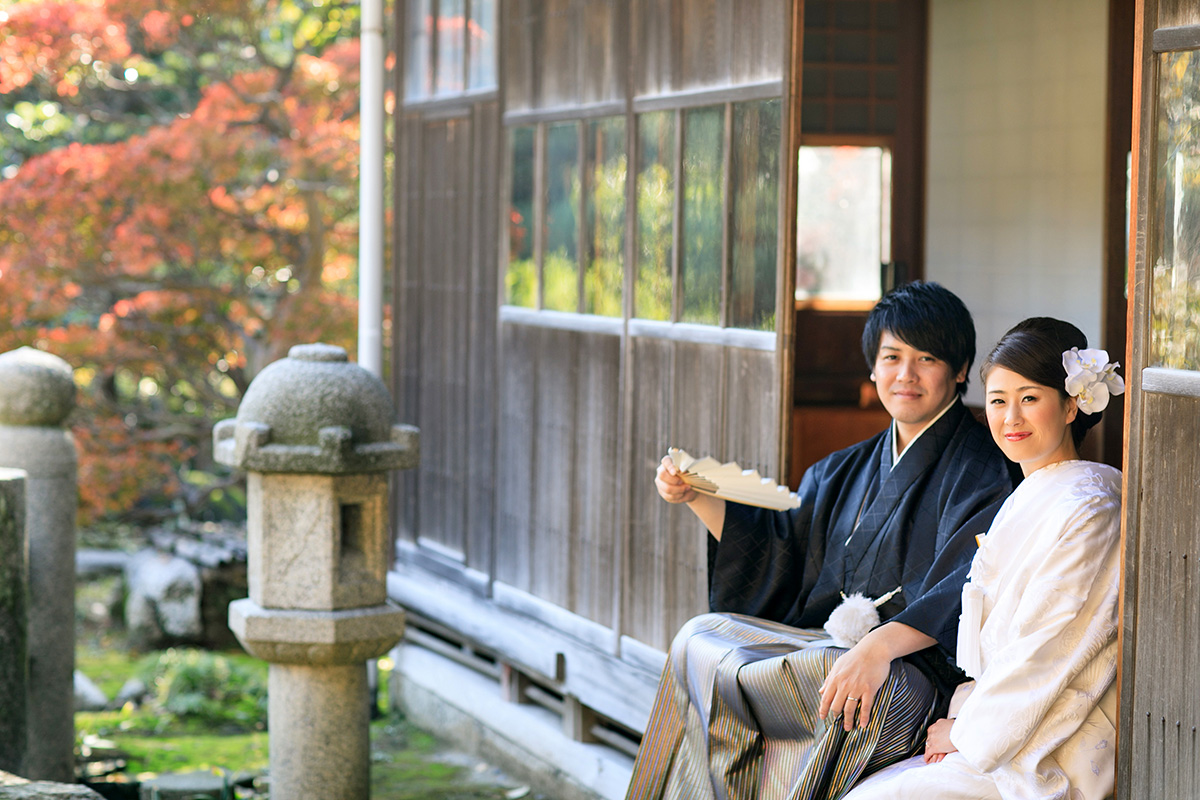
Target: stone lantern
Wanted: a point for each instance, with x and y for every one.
(314, 434)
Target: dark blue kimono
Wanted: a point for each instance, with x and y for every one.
(917, 527)
(735, 715)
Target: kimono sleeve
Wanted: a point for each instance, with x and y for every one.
(767, 561)
(971, 503)
(1065, 616)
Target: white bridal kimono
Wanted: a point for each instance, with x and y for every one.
(1038, 634)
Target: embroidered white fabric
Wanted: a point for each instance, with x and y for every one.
(1039, 720)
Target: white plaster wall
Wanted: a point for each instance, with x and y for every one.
(1015, 183)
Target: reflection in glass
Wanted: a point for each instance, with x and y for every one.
(482, 55)
(755, 214)
(520, 278)
(450, 56)
(1175, 287)
(560, 265)
(655, 210)
(418, 76)
(843, 222)
(605, 210)
(703, 190)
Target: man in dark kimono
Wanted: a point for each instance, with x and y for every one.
(742, 707)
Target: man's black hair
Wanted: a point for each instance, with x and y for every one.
(927, 316)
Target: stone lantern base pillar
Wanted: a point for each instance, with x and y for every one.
(317, 706)
(37, 393)
(320, 741)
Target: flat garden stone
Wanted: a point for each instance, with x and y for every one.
(14, 787)
(183, 786)
(88, 696)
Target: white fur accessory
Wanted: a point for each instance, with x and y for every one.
(854, 618)
(1091, 378)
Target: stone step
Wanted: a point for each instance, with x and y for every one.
(14, 787)
(186, 785)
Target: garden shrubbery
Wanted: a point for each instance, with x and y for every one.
(196, 687)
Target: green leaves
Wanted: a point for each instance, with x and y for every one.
(178, 191)
(197, 686)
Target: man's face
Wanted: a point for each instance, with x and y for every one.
(914, 385)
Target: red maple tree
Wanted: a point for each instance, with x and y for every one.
(189, 216)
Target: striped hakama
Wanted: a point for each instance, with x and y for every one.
(736, 717)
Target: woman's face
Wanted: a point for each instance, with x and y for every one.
(1031, 423)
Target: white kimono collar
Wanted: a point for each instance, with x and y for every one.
(896, 456)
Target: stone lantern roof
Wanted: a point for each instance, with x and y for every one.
(314, 411)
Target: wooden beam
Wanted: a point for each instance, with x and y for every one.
(621, 689)
(577, 720)
(513, 684)
(785, 279)
(1144, 18)
(1118, 140)
(1185, 37)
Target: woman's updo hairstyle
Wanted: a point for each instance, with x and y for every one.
(1033, 349)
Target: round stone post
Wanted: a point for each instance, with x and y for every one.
(315, 436)
(14, 603)
(37, 392)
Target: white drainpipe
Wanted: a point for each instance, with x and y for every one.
(370, 190)
(370, 215)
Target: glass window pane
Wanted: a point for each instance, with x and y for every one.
(817, 13)
(655, 210)
(851, 56)
(1175, 287)
(815, 116)
(850, 117)
(755, 214)
(816, 46)
(418, 78)
(703, 192)
(520, 278)
(852, 14)
(851, 82)
(843, 222)
(560, 265)
(482, 55)
(450, 57)
(605, 274)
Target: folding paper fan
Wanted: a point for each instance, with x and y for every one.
(730, 482)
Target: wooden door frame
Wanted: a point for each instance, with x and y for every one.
(1117, 223)
(785, 281)
(907, 236)
(1142, 121)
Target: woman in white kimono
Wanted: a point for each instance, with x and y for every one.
(1039, 623)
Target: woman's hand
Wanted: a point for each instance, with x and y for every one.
(852, 683)
(937, 741)
(670, 486)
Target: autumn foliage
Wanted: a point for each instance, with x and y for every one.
(177, 208)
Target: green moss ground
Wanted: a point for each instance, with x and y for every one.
(407, 763)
